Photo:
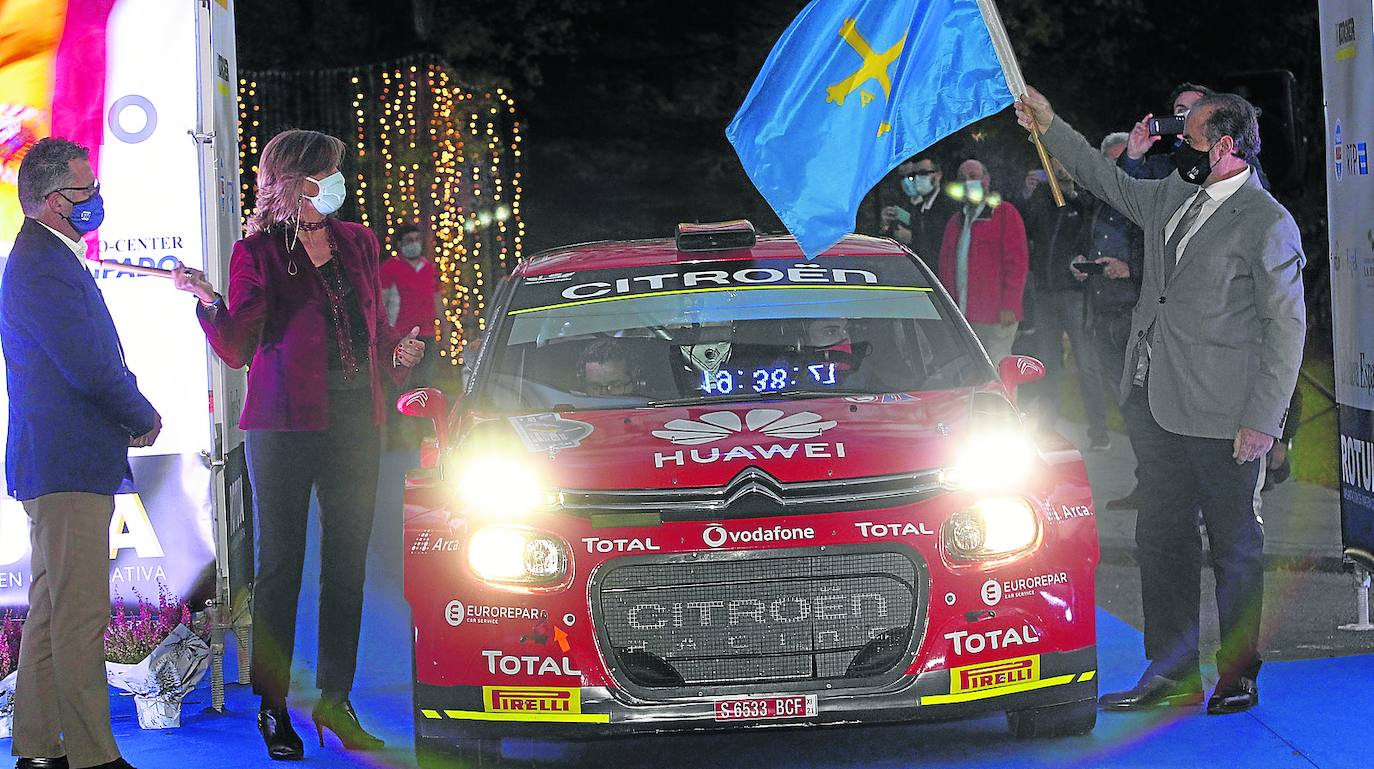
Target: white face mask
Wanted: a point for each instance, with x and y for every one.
(412, 250)
(331, 195)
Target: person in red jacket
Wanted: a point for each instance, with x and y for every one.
(983, 260)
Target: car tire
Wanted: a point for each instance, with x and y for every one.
(1069, 719)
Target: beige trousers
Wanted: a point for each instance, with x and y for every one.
(996, 338)
(61, 700)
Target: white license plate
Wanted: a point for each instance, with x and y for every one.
(760, 708)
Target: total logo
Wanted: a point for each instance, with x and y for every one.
(1003, 638)
(871, 530)
(456, 613)
(530, 665)
(716, 535)
(598, 545)
(993, 591)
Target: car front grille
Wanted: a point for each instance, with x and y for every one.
(754, 492)
(789, 619)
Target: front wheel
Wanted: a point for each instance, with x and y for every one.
(1069, 719)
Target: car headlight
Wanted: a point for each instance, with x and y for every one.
(500, 485)
(992, 460)
(991, 529)
(515, 555)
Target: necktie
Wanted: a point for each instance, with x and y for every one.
(1184, 224)
(1142, 361)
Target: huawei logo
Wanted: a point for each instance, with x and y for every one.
(719, 425)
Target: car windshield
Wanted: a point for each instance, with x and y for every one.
(714, 331)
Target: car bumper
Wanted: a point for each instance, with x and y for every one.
(464, 712)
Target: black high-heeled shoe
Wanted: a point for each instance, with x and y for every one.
(340, 718)
(283, 744)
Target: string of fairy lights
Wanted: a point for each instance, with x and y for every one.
(426, 150)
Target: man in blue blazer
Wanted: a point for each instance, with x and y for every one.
(74, 411)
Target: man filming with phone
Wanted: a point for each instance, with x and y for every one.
(919, 219)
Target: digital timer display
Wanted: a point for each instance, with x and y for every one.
(767, 380)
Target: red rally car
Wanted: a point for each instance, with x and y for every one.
(704, 483)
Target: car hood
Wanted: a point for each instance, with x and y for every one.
(709, 444)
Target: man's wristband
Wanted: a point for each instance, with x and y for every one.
(216, 302)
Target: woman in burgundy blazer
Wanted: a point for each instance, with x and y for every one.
(304, 312)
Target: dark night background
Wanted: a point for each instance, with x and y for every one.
(626, 101)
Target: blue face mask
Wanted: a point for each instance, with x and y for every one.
(331, 195)
(918, 186)
(86, 215)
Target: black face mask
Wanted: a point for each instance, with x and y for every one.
(1193, 165)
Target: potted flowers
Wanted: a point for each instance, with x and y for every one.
(157, 654)
(10, 627)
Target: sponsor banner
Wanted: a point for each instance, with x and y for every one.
(632, 545)
(716, 535)
(1357, 477)
(555, 290)
(966, 642)
(994, 675)
(163, 533)
(1347, 80)
(87, 72)
(456, 613)
(549, 432)
(427, 541)
(895, 529)
(994, 591)
(525, 703)
(500, 663)
(1062, 513)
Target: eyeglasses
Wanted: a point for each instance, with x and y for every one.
(92, 190)
(614, 387)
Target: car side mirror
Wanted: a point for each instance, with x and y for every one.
(427, 403)
(1016, 370)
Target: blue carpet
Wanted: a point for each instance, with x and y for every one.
(1314, 713)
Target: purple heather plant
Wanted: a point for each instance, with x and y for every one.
(133, 635)
(10, 628)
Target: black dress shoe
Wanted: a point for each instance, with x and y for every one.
(339, 717)
(1234, 696)
(118, 763)
(1154, 691)
(41, 763)
(283, 744)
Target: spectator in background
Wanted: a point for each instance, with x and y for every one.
(1034, 178)
(983, 260)
(1118, 245)
(1057, 237)
(919, 221)
(1155, 164)
(412, 295)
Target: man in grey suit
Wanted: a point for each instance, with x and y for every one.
(1216, 341)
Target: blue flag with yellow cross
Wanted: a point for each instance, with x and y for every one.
(850, 90)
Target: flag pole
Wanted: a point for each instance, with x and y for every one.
(1012, 69)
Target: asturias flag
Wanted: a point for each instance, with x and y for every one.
(853, 88)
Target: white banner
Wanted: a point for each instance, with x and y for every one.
(149, 173)
(1347, 37)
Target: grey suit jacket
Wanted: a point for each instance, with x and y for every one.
(1229, 316)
